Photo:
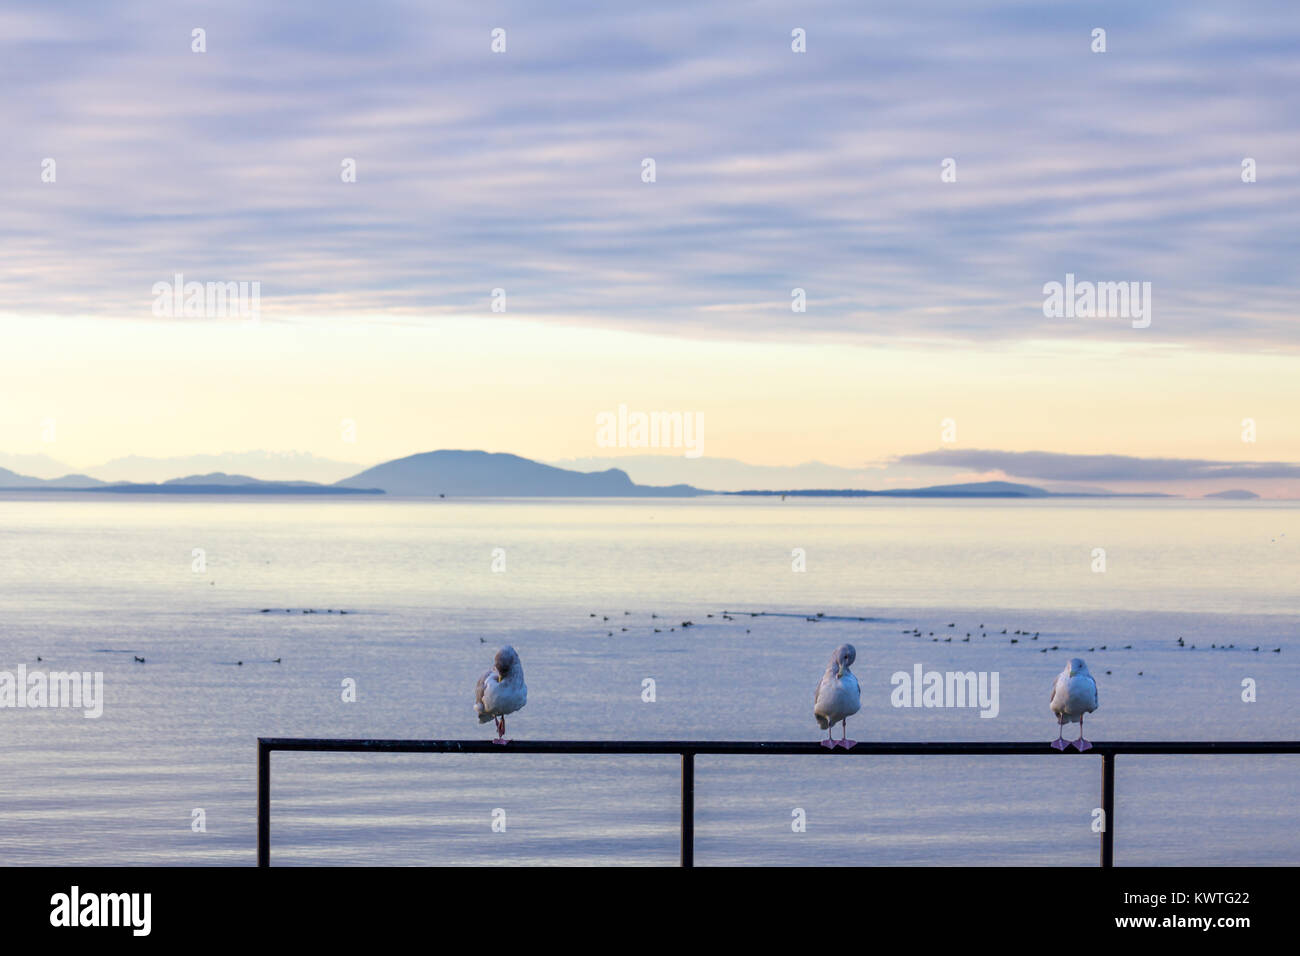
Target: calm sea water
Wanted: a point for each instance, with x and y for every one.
(88, 583)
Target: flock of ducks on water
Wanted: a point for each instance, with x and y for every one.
(501, 690)
(1020, 635)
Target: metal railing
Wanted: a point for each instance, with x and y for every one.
(689, 749)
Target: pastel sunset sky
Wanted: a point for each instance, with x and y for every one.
(774, 170)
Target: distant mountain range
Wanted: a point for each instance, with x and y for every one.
(9, 479)
(460, 474)
(468, 474)
(264, 465)
(217, 483)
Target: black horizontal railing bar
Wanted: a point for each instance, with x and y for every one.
(744, 747)
(688, 750)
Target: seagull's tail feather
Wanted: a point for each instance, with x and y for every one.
(822, 722)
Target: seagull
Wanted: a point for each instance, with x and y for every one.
(838, 697)
(501, 691)
(1073, 695)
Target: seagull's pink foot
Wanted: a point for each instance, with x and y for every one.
(1059, 744)
(1081, 745)
(828, 744)
(846, 743)
(501, 740)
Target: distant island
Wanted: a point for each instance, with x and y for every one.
(1233, 494)
(478, 474)
(466, 474)
(974, 489)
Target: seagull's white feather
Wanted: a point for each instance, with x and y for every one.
(501, 690)
(837, 696)
(1074, 694)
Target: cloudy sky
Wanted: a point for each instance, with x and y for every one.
(774, 170)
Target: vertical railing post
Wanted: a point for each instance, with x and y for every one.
(688, 809)
(263, 804)
(1108, 809)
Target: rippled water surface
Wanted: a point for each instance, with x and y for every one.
(88, 584)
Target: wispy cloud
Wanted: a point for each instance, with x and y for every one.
(776, 170)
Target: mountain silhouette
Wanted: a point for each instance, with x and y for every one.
(485, 474)
(11, 479)
(481, 474)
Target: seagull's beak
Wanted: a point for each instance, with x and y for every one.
(840, 675)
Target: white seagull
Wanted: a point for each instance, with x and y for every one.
(501, 691)
(838, 697)
(1073, 695)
